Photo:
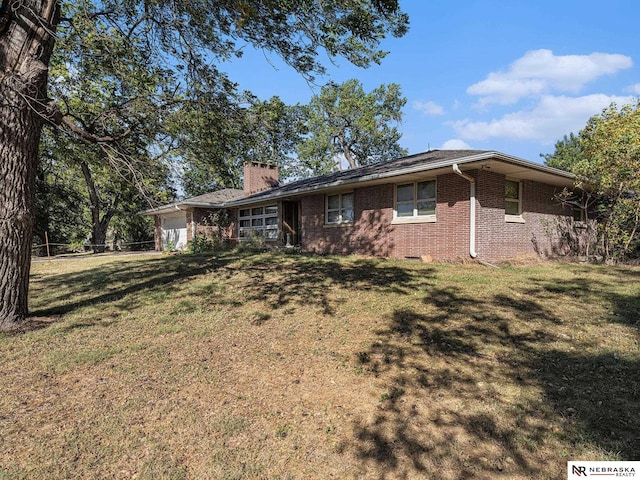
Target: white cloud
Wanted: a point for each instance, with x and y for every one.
(541, 72)
(428, 108)
(634, 88)
(455, 144)
(551, 118)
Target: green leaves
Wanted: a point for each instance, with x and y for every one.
(567, 154)
(605, 157)
(149, 69)
(214, 144)
(344, 121)
(611, 142)
(140, 89)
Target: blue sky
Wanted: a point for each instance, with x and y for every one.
(513, 76)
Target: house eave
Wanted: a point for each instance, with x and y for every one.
(549, 174)
(179, 206)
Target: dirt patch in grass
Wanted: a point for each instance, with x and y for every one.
(33, 323)
(291, 366)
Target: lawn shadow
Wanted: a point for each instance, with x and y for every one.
(119, 284)
(626, 309)
(471, 393)
(597, 397)
(276, 279)
(623, 308)
(33, 323)
(280, 280)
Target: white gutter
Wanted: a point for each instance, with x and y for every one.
(472, 210)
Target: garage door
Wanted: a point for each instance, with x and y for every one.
(174, 231)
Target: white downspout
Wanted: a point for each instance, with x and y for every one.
(472, 210)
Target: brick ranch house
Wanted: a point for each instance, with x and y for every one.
(440, 205)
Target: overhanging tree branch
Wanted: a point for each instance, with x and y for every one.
(89, 137)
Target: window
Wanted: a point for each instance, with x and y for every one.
(512, 197)
(260, 221)
(416, 199)
(339, 208)
(578, 214)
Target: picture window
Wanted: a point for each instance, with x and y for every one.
(258, 221)
(339, 208)
(417, 199)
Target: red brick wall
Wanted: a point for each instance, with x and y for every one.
(203, 224)
(258, 177)
(498, 239)
(157, 232)
(542, 211)
(373, 233)
(370, 233)
(448, 237)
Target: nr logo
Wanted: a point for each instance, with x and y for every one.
(579, 471)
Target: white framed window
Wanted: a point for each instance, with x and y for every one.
(416, 200)
(512, 198)
(339, 208)
(261, 221)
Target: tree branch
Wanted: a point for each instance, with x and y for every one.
(90, 137)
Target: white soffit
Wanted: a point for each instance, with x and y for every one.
(519, 172)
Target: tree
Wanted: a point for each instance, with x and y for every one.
(568, 152)
(78, 198)
(185, 38)
(345, 122)
(605, 157)
(219, 141)
(277, 130)
(209, 142)
(611, 144)
(567, 155)
(121, 96)
(60, 199)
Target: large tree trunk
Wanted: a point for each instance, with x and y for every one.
(26, 44)
(99, 226)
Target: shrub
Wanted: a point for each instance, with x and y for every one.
(253, 243)
(202, 243)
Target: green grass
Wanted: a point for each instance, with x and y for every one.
(241, 366)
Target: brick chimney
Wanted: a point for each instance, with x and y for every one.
(260, 176)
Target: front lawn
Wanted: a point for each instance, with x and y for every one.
(276, 366)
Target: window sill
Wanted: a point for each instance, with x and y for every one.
(248, 239)
(338, 225)
(408, 220)
(514, 219)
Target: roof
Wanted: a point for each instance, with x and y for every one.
(215, 199)
(412, 167)
(407, 168)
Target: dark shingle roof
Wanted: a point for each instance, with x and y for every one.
(421, 161)
(206, 200)
(412, 164)
(219, 196)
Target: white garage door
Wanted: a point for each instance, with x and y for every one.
(174, 231)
